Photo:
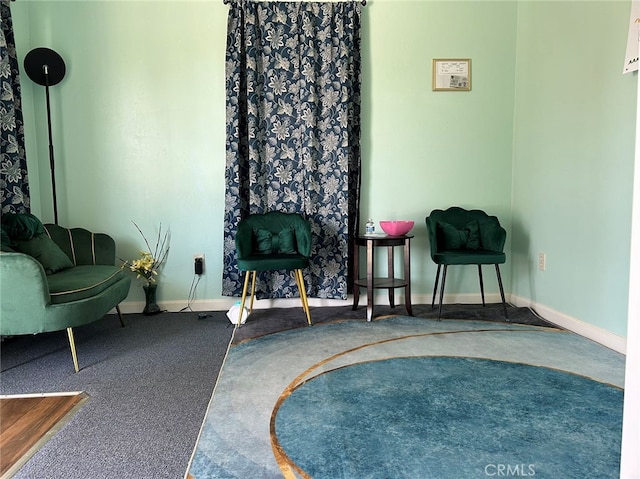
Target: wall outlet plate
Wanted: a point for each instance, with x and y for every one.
(198, 263)
(542, 261)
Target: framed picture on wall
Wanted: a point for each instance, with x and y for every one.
(451, 74)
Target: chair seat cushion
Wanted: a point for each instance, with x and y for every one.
(261, 262)
(82, 282)
(475, 256)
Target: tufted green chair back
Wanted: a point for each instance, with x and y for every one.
(83, 247)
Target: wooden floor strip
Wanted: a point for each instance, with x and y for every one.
(28, 421)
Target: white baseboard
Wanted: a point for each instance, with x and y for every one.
(594, 333)
(223, 304)
(589, 331)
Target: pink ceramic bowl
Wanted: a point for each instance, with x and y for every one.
(396, 228)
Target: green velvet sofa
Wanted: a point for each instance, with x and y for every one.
(54, 278)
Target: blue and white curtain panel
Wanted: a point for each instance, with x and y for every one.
(14, 181)
(293, 85)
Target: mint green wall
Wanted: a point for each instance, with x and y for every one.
(573, 159)
(139, 127)
(424, 149)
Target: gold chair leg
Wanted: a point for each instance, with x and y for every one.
(253, 290)
(301, 289)
(244, 297)
(72, 344)
(297, 277)
(303, 294)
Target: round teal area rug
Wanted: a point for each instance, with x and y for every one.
(448, 417)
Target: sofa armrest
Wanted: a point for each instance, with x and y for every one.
(82, 246)
(24, 293)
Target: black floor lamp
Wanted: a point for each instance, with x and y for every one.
(46, 67)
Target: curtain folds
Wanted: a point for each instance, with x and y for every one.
(13, 162)
(293, 132)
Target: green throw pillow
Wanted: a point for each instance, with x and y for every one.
(287, 241)
(473, 235)
(453, 238)
(49, 254)
(6, 242)
(267, 243)
(22, 226)
(263, 240)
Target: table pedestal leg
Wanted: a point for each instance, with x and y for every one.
(370, 276)
(390, 275)
(407, 278)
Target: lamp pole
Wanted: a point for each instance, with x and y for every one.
(45, 67)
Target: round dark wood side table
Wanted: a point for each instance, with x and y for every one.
(390, 282)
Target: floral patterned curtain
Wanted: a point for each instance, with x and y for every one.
(13, 161)
(293, 132)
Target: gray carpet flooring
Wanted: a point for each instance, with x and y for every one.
(150, 383)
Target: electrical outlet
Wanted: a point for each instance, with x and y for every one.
(542, 261)
(198, 263)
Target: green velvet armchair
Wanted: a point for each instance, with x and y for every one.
(457, 237)
(54, 278)
(269, 242)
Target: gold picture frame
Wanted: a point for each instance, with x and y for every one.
(451, 74)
